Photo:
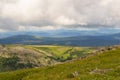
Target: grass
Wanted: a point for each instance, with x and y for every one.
(31, 56)
(105, 66)
(63, 53)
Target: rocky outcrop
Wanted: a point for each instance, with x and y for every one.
(105, 49)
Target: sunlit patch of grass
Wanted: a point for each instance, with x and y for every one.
(64, 52)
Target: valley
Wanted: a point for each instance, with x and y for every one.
(14, 57)
(101, 65)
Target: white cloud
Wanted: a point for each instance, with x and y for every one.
(37, 28)
(54, 13)
(22, 10)
(1, 30)
(62, 20)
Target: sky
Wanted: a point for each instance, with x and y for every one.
(35, 15)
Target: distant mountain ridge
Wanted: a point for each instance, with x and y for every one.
(103, 40)
(60, 33)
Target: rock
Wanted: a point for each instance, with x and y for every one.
(75, 74)
(99, 71)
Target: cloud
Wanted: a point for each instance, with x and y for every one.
(37, 28)
(57, 14)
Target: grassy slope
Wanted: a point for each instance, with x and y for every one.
(104, 66)
(62, 52)
(30, 56)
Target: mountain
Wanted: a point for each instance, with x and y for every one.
(17, 39)
(102, 40)
(60, 33)
(99, 66)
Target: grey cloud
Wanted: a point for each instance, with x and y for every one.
(59, 13)
(7, 24)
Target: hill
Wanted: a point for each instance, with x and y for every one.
(58, 33)
(103, 65)
(14, 57)
(97, 40)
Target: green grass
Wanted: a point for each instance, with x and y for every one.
(105, 66)
(31, 56)
(64, 52)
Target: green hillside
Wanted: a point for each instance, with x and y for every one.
(100, 66)
(14, 57)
